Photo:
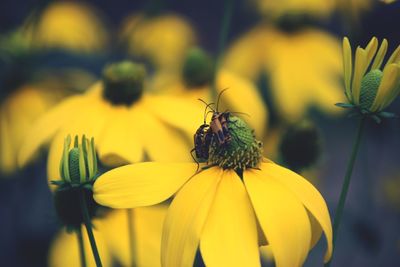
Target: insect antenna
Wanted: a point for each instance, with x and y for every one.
(208, 105)
(219, 96)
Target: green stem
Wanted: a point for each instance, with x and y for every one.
(89, 230)
(129, 214)
(346, 185)
(81, 247)
(223, 36)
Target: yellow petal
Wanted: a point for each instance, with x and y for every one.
(371, 50)
(186, 217)
(141, 184)
(308, 195)
(7, 151)
(176, 112)
(359, 71)
(120, 142)
(147, 223)
(347, 66)
(47, 126)
(242, 96)
(380, 55)
(161, 141)
(282, 217)
(387, 89)
(64, 251)
(229, 236)
(394, 58)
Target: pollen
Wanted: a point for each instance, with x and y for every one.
(242, 152)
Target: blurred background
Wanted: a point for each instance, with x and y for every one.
(289, 50)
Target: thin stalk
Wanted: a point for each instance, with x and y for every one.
(131, 236)
(89, 230)
(81, 247)
(346, 185)
(223, 36)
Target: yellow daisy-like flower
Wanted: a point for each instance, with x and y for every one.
(18, 113)
(128, 124)
(302, 67)
(228, 209)
(163, 39)
(369, 86)
(70, 25)
(276, 9)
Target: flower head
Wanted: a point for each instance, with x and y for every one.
(369, 86)
(234, 204)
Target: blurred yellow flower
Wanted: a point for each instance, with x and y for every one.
(162, 39)
(128, 124)
(18, 113)
(69, 25)
(302, 67)
(112, 238)
(276, 9)
(229, 208)
(369, 86)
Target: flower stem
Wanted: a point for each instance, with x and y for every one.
(346, 185)
(81, 247)
(131, 236)
(223, 36)
(89, 230)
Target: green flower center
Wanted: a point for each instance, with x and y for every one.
(123, 82)
(242, 152)
(369, 87)
(197, 69)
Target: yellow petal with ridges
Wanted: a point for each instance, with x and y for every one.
(394, 58)
(120, 142)
(380, 55)
(161, 141)
(395, 91)
(347, 66)
(307, 194)
(141, 184)
(371, 50)
(186, 218)
(359, 71)
(282, 217)
(229, 236)
(386, 90)
(64, 251)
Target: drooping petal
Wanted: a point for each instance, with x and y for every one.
(359, 71)
(229, 236)
(186, 217)
(387, 89)
(308, 195)
(176, 112)
(394, 58)
(48, 125)
(64, 251)
(161, 141)
(147, 224)
(282, 217)
(347, 66)
(380, 55)
(120, 142)
(141, 184)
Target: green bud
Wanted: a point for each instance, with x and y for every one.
(242, 152)
(198, 68)
(123, 82)
(369, 88)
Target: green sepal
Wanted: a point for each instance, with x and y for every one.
(344, 105)
(376, 118)
(387, 115)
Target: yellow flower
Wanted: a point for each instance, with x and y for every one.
(370, 87)
(128, 124)
(18, 113)
(302, 67)
(227, 209)
(163, 39)
(70, 25)
(111, 233)
(276, 9)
